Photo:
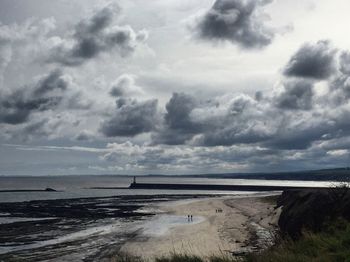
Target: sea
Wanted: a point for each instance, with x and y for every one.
(81, 186)
(79, 223)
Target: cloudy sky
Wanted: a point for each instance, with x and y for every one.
(173, 86)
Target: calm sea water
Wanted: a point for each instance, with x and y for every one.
(79, 186)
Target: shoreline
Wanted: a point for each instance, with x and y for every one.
(246, 224)
(112, 223)
(46, 229)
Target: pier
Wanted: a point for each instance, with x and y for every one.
(214, 187)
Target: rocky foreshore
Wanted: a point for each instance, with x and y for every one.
(47, 229)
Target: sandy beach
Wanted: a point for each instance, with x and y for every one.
(243, 225)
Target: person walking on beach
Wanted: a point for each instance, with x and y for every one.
(188, 218)
(191, 218)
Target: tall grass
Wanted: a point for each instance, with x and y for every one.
(332, 244)
(176, 257)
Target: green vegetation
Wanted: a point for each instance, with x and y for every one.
(179, 258)
(332, 244)
(176, 258)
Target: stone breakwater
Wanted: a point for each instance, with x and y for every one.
(255, 188)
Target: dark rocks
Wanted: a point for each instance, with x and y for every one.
(49, 189)
(310, 209)
(43, 230)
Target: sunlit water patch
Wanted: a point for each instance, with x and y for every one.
(161, 224)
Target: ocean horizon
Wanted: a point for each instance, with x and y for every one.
(79, 186)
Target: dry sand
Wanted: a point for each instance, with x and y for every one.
(244, 224)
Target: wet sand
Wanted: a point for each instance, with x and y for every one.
(79, 229)
(245, 224)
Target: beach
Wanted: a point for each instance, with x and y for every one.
(242, 225)
(95, 229)
(80, 229)
(75, 224)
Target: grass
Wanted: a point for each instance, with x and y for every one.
(179, 258)
(332, 244)
(175, 257)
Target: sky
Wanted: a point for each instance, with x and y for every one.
(173, 86)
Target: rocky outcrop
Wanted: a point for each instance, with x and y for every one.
(310, 209)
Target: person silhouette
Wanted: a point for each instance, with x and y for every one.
(191, 218)
(188, 218)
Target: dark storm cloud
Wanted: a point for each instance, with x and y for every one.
(131, 118)
(340, 83)
(284, 122)
(238, 21)
(96, 35)
(315, 61)
(300, 137)
(299, 131)
(344, 61)
(178, 125)
(117, 90)
(296, 118)
(296, 95)
(242, 120)
(232, 135)
(38, 127)
(213, 123)
(52, 81)
(16, 107)
(178, 112)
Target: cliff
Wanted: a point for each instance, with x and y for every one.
(311, 209)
